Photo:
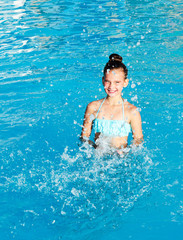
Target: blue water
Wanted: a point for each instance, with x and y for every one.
(52, 54)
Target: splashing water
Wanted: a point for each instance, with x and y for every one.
(79, 187)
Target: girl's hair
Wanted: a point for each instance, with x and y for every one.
(115, 62)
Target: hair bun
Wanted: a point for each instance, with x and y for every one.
(115, 57)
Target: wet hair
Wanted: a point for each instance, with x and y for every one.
(115, 62)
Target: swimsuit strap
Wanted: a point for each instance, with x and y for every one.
(123, 110)
(100, 107)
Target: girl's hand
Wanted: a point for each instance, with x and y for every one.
(85, 139)
(123, 150)
(120, 151)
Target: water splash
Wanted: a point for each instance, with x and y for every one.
(84, 186)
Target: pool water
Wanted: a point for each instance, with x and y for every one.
(52, 58)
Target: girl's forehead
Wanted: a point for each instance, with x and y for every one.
(115, 72)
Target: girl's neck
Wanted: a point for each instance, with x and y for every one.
(114, 100)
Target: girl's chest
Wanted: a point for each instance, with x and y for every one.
(113, 113)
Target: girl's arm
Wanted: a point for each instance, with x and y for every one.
(136, 125)
(87, 125)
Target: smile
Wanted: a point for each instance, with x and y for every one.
(112, 91)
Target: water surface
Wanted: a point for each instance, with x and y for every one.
(52, 57)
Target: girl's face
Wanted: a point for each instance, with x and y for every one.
(114, 81)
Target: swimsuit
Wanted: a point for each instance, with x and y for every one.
(119, 128)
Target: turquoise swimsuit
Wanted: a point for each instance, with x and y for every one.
(114, 128)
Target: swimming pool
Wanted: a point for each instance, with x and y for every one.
(52, 57)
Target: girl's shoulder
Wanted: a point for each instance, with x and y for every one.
(93, 106)
(130, 108)
(132, 112)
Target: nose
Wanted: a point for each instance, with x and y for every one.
(111, 85)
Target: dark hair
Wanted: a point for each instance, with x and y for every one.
(115, 62)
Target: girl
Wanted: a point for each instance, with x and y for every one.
(112, 118)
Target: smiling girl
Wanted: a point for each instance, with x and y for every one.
(112, 118)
